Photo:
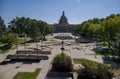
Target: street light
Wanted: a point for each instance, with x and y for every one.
(41, 44)
(62, 48)
(24, 42)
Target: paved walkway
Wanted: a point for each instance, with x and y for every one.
(9, 70)
(74, 50)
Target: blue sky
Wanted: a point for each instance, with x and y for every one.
(50, 11)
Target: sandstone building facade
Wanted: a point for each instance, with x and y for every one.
(63, 26)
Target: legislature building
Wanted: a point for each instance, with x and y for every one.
(63, 26)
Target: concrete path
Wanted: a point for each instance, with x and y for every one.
(74, 50)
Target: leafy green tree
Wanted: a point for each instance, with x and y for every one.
(19, 25)
(115, 47)
(111, 16)
(96, 21)
(84, 28)
(108, 25)
(87, 29)
(30, 27)
(45, 29)
(33, 31)
(62, 63)
(78, 29)
(2, 27)
(111, 28)
(93, 30)
(108, 33)
(10, 39)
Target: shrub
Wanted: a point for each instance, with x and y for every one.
(104, 51)
(97, 71)
(62, 63)
(10, 39)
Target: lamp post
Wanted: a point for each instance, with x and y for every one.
(62, 48)
(95, 45)
(96, 48)
(24, 42)
(41, 44)
(17, 42)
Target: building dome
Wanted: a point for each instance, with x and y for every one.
(63, 25)
(63, 19)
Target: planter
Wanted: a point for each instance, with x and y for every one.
(61, 68)
(59, 75)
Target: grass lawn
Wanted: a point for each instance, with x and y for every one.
(52, 40)
(3, 52)
(94, 64)
(27, 75)
(0, 43)
(22, 39)
(88, 62)
(26, 44)
(105, 43)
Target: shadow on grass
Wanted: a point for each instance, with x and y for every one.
(113, 61)
(4, 47)
(29, 41)
(103, 51)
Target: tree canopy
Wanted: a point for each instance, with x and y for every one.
(30, 27)
(106, 28)
(2, 27)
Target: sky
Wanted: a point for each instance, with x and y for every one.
(50, 11)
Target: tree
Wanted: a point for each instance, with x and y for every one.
(96, 21)
(77, 29)
(10, 39)
(2, 27)
(33, 31)
(30, 27)
(19, 25)
(45, 29)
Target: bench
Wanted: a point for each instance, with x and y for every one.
(34, 52)
(31, 57)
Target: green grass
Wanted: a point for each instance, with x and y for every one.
(104, 43)
(20, 40)
(4, 51)
(52, 40)
(93, 64)
(13, 48)
(27, 75)
(0, 43)
(26, 44)
(88, 62)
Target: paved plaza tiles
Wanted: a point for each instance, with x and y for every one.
(74, 50)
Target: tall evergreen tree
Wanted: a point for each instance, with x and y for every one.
(2, 27)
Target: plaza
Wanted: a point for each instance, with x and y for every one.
(66, 39)
(73, 49)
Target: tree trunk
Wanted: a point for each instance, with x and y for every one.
(44, 37)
